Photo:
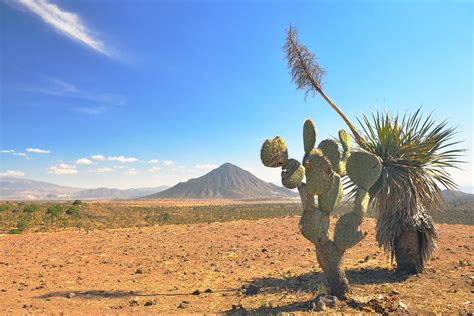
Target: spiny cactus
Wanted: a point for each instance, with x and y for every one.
(292, 174)
(274, 153)
(323, 167)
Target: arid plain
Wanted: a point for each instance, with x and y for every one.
(241, 266)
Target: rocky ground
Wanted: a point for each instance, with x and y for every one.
(235, 267)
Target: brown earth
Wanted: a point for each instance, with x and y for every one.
(122, 270)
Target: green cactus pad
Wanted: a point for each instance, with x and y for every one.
(292, 174)
(345, 140)
(309, 136)
(314, 226)
(363, 168)
(319, 174)
(361, 202)
(346, 232)
(330, 149)
(274, 152)
(328, 201)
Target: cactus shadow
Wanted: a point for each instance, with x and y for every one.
(312, 282)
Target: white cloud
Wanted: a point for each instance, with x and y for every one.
(92, 110)
(155, 169)
(168, 162)
(12, 173)
(98, 157)
(83, 161)
(12, 152)
(153, 161)
(130, 172)
(38, 150)
(62, 169)
(206, 166)
(68, 23)
(122, 159)
(103, 170)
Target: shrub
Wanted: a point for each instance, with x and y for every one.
(72, 211)
(31, 208)
(77, 203)
(54, 210)
(20, 227)
(5, 207)
(167, 217)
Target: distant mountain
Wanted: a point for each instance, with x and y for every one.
(106, 193)
(457, 196)
(226, 182)
(25, 189)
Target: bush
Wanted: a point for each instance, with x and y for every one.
(54, 210)
(167, 217)
(31, 208)
(77, 203)
(20, 227)
(5, 207)
(72, 211)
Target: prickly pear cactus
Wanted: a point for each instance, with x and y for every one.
(274, 152)
(324, 168)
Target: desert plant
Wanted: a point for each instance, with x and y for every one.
(31, 208)
(72, 211)
(414, 154)
(77, 203)
(20, 226)
(323, 168)
(5, 207)
(54, 210)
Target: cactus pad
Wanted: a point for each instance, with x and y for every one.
(319, 174)
(328, 201)
(309, 136)
(363, 168)
(330, 149)
(274, 152)
(314, 225)
(361, 202)
(346, 232)
(345, 140)
(292, 174)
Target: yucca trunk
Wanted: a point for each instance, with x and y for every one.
(408, 250)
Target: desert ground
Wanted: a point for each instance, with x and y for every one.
(240, 267)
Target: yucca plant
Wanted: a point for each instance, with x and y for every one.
(415, 152)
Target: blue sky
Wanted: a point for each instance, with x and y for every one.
(144, 93)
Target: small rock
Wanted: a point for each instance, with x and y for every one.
(133, 302)
(394, 292)
(324, 301)
(208, 290)
(251, 290)
(402, 306)
(236, 307)
(183, 305)
(197, 292)
(264, 250)
(150, 303)
(71, 295)
(139, 270)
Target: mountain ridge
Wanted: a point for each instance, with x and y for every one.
(28, 189)
(228, 181)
